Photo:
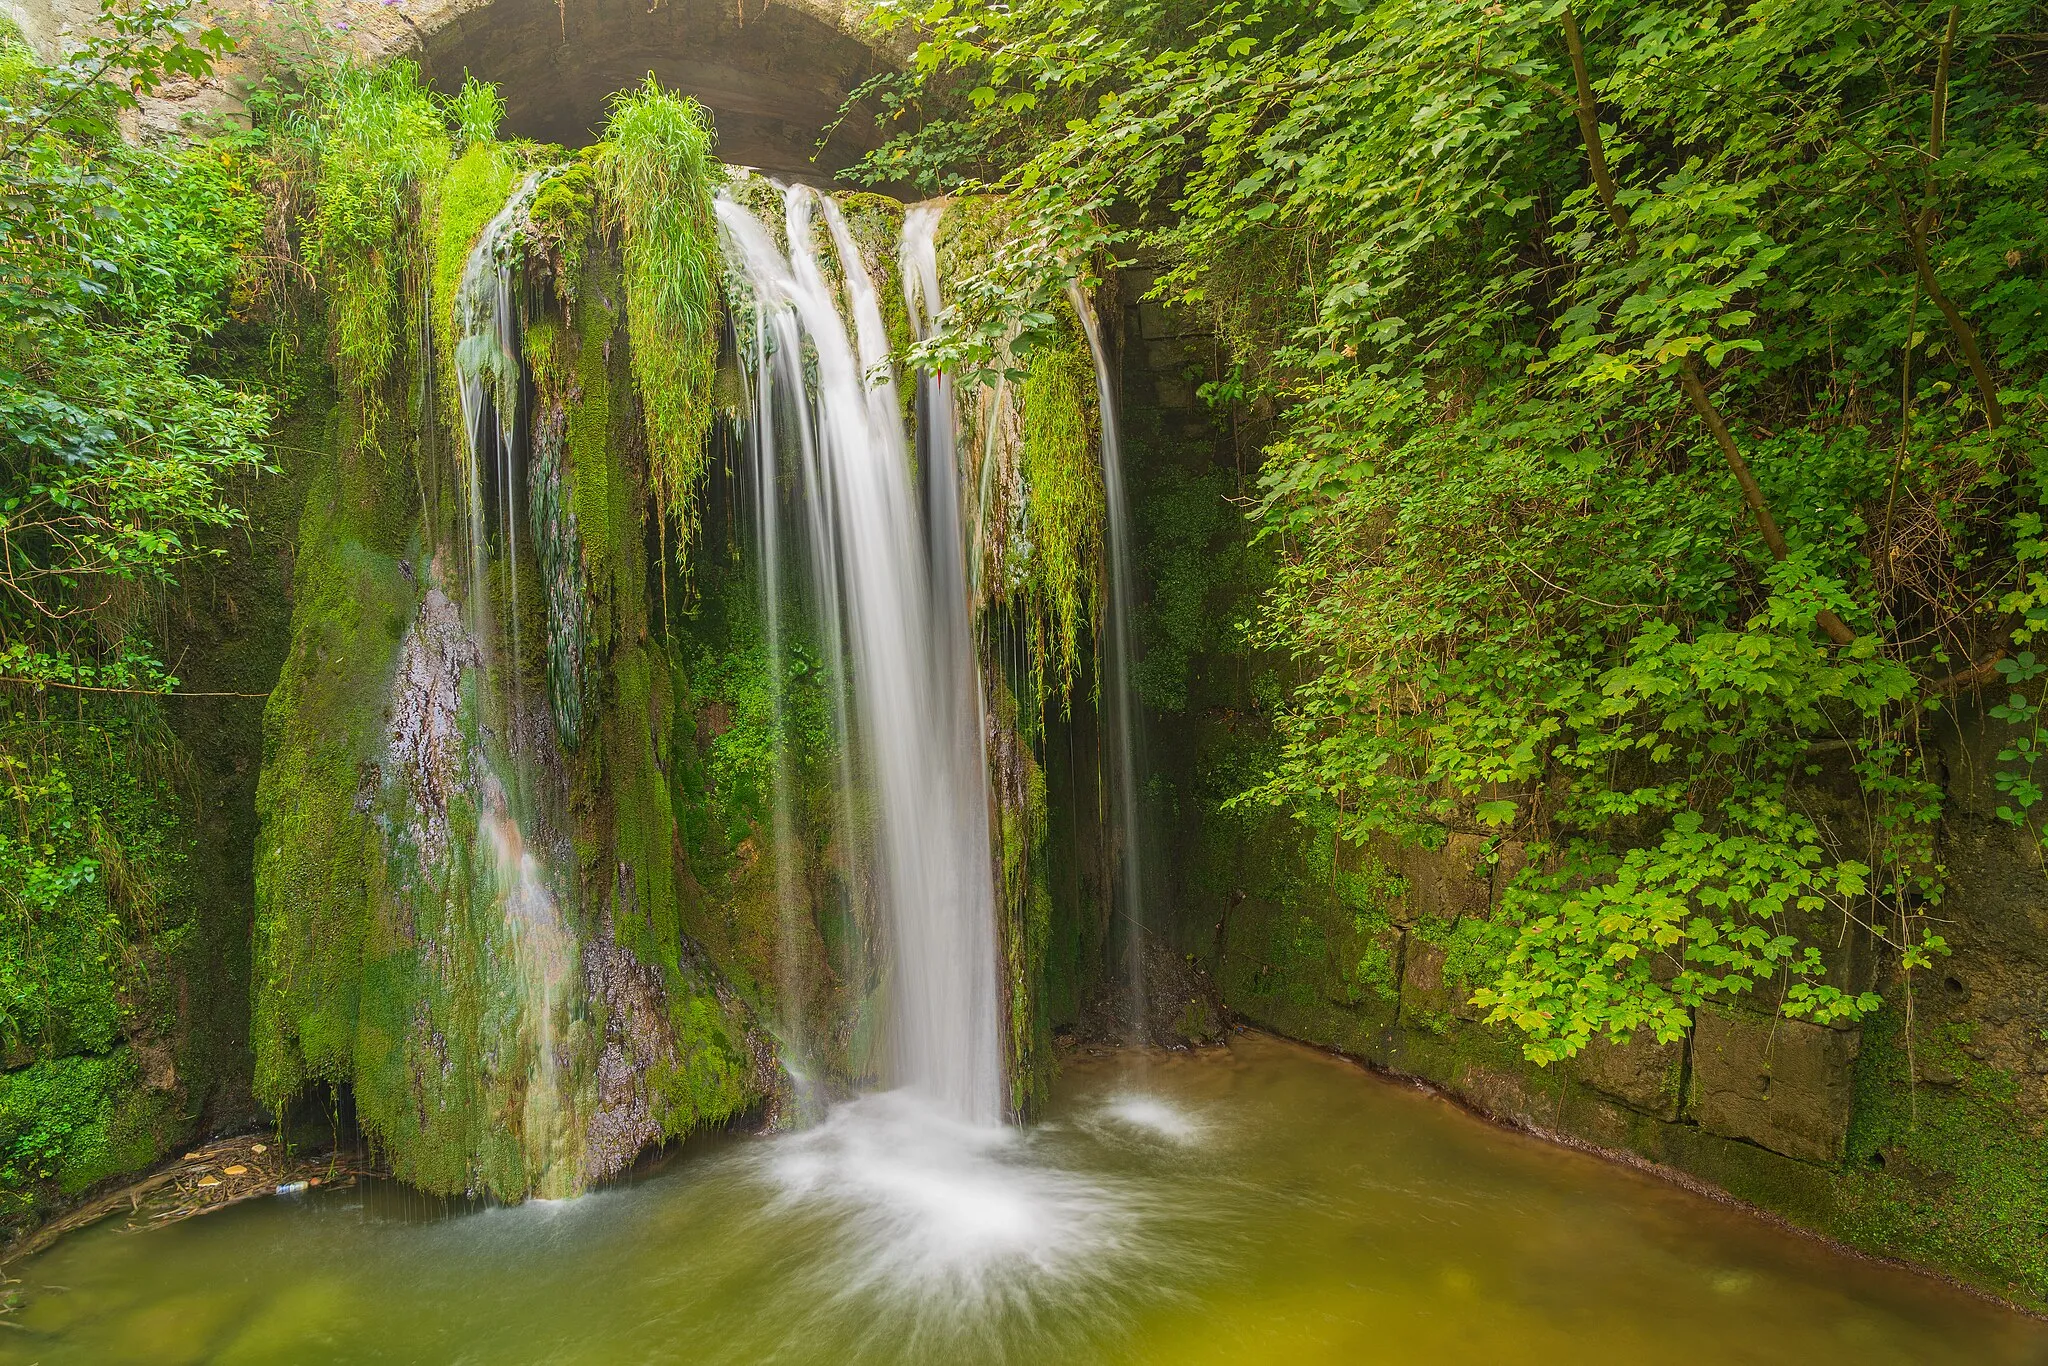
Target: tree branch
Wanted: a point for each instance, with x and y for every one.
(1588, 111)
(1966, 336)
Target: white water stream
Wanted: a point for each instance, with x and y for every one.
(1125, 719)
(488, 377)
(893, 576)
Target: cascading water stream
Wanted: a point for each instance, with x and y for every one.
(794, 988)
(893, 577)
(1124, 717)
(488, 378)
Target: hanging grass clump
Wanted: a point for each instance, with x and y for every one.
(1063, 488)
(661, 176)
(381, 137)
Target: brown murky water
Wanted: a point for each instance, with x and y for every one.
(1260, 1204)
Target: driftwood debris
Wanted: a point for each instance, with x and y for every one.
(207, 1178)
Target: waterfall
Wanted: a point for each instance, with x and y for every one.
(895, 579)
(764, 449)
(1125, 720)
(514, 874)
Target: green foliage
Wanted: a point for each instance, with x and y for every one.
(93, 910)
(118, 265)
(2015, 778)
(660, 178)
(476, 111)
(71, 1122)
(379, 136)
(1031, 442)
(92, 843)
(1656, 398)
(131, 415)
(128, 51)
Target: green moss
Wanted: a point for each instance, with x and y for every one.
(1951, 1175)
(1309, 951)
(96, 911)
(323, 743)
(1024, 899)
(470, 194)
(609, 516)
(711, 1079)
(760, 197)
(875, 222)
(564, 214)
(1065, 502)
(67, 1124)
(386, 960)
(91, 852)
(725, 782)
(627, 844)
(1187, 539)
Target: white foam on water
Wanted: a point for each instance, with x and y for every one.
(1153, 1118)
(939, 1232)
(931, 1203)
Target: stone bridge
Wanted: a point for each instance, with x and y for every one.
(773, 73)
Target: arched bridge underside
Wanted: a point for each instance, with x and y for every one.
(773, 73)
(773, 76)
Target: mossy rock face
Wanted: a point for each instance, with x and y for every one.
(1641, 1072)
(354, 597)
(1024, 896)
(782, 906)
(467, 876)
(1783, 1084)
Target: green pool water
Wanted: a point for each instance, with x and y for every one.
(1261, 1203)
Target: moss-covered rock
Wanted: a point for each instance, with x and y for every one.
(469, 909)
